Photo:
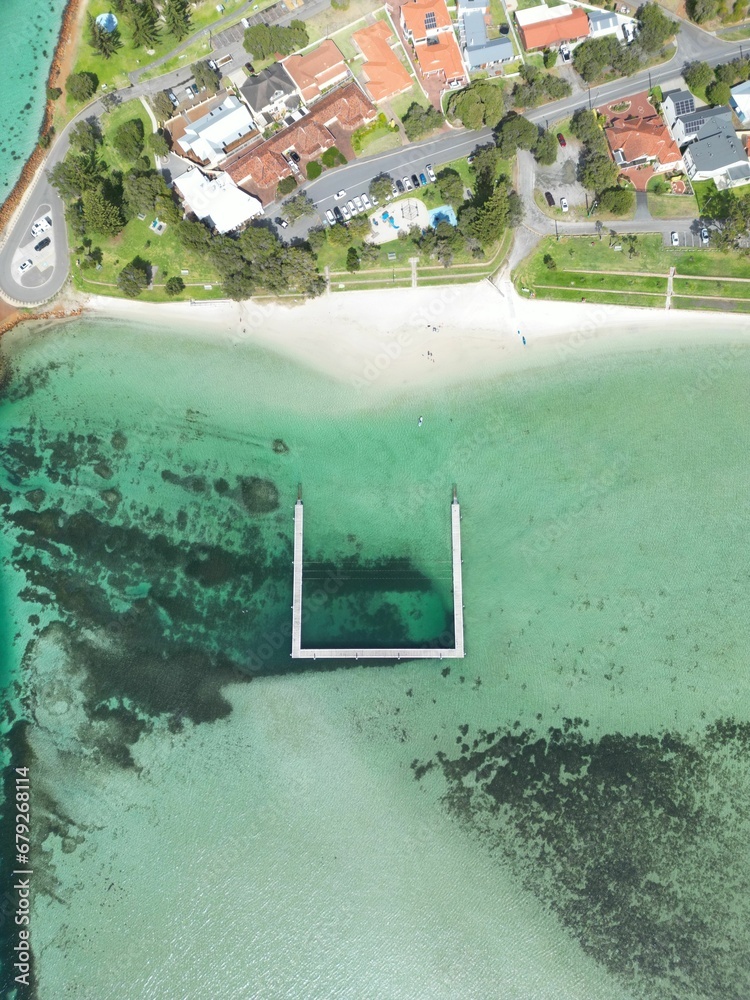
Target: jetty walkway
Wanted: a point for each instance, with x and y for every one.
(425, 653)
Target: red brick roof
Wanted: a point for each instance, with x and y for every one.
(315, 70)
(383, 70)
(264, 165)
(639, 132)
(414, 13)
(443, 57)
(559, 29)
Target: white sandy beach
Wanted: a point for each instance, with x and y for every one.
(400, 337)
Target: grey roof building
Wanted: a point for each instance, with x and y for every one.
(717, 154)
(479, 50)
(603, 23)
(269, 91)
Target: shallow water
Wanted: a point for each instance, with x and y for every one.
(28, 35)
(562, 814)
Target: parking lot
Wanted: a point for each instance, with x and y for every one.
(560, 178)
(42, 261)
(687, 238)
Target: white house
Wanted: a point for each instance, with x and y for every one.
(210, 138)
(740, 101)
(217, 201)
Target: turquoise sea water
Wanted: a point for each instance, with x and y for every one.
(565, 813)
(28, 35)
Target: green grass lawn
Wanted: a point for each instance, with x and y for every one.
(735, 34)
(401, 103)
(111, 122)
(669, 206)
(375, 137)
(199, 49)
(715, 289)
(715, 203)
(602, 298)
(605, 284)
(114, 71)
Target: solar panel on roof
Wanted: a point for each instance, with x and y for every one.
(693, 127)
(684, 107)
(430, 21)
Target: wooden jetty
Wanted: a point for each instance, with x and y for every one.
(424, 653)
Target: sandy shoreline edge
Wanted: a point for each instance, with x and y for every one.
(441, 335)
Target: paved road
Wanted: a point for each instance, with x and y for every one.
(34, 288)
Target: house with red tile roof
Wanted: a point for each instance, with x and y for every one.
(383, 72)
(637, 135)
(316, 71)
(260, 168)
(545, 27)
(428, 26)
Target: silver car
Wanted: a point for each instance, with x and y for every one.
(358, 203)
(346, 213)
(407, 184)
(366, 202)
(350, 205)
(25, 265)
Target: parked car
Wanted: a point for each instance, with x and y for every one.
(394, 190)
(173, 97)
(189, 93)
(470, 159)
(407, 184)
(213, 65)
(423, 180)
(704, 237)
(42, 244)
(25, 265)
(550, 199)
(366, 202)
(400, 187)
(338, 214)
(564, 204)
(346, 213)
(330, 216)
(194, 88)
(352, 207)
(249, 67)
(561, 139)
(339, 195)
(358, 203)
(675, 240)
(415, 181)
(376, 201)
(430, 173)
(281, 222)
(294, 155)
(41, 225)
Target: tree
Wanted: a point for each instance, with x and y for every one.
(359, 227)
(133, 278)
(418, 121)
(546, 148)
(240, 285)
(617, 200)
(594, 55)
(698, 75)
(140, 191)
(263, 40)
(86, 137)
(451, 187)
(339, 235)
(586, 127)
(162, 105)
(726, 73)
(174, 286)
(550, 58)
(128, 139)
(194, 236)
(158, 144)
(701, 11)
(101, 215)
(76, 174)
(81, 86)
(656, 28)
(317, 237)
(549, 262)
(481, 103)
(298, 206)
(491, 218)
(598, 172)
(286, 186)
(381, 187)
(352, 259)
(177, 16)
(718, 92)
(205, 76)
(314, 170)
(144, 24)
(106, 43)
(53, 93)
(516, 132)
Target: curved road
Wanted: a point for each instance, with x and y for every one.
(37, 286)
